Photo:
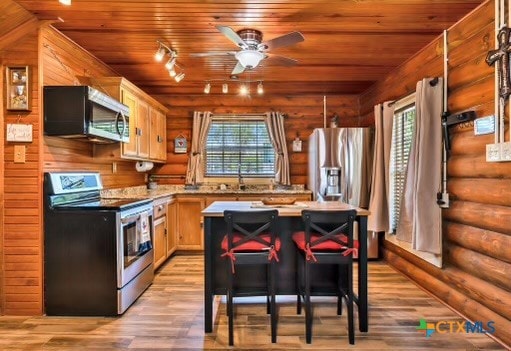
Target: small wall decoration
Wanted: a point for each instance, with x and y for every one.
(180, 144)
(297, 145)
(18, 98)
(19, 132)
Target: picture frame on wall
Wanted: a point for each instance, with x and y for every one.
(18, 88)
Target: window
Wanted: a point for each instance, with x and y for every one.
(402, 130)
(239, 147)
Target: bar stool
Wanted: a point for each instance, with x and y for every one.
(251, 239)
(327, 239)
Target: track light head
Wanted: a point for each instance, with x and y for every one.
(65, 2)
(159, 54)
(170, 63)
(260, 89)
(179, 77)
(207, 88)
(244, 90)
(225, 88)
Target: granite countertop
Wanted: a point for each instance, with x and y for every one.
(170, 190)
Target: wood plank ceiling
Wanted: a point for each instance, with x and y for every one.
(349, 44)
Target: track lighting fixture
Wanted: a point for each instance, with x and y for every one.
(244, 86)
(160, 53)
(179, 77)
(171, 64)
(260, 89)
(244, 90)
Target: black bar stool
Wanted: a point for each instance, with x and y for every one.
(251, 239)
(327, 239)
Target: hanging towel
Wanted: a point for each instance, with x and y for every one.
(144, 228)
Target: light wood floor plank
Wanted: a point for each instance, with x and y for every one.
(169, 316)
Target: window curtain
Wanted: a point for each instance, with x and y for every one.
(200, 127)
(378, 220)
(275, 123)
(421, 218)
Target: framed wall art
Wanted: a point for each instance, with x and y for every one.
(18, 90)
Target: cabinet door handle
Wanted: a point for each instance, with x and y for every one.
(160, 207)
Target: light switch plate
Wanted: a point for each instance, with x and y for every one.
(19, 154)
(492, 152)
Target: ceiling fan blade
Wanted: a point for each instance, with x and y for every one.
(284, 40)
(213, 53)
(238, 69)
(282, 60)
(232, 36)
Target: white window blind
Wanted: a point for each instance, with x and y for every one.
(239, 147)
(402, 131)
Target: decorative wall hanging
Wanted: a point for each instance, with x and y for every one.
(180, 144)
(18, 90)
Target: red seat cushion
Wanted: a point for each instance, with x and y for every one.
(328, 245)
(251, 245)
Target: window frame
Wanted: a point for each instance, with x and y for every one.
(239, 118)
(401, 107)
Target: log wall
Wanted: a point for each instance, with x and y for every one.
(475, 279)
(304, 113)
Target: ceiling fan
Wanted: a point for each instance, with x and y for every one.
(253, 49)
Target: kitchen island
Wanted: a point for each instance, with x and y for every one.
(215, 276)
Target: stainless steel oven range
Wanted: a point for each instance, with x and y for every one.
(98, 256)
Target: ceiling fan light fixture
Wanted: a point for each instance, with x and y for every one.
(249, 58)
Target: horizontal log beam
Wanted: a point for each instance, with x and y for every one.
(487, 268)
(481, 190)
(486, 242)
(484, 216)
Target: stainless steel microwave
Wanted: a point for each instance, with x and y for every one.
(84, 112)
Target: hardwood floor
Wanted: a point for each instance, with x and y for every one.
(169, 316)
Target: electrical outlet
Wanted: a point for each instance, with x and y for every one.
(505, 151)
(442, 199)
(492, 152)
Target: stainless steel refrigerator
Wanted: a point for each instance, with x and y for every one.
(340, 168)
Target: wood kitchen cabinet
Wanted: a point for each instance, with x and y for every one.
(190, 223)
(160, 231)
(147, 122)
(158, 135)
(171, 227)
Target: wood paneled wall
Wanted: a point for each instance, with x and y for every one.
(64, 63)
(303, 114)
(22, 282)
(477, 228)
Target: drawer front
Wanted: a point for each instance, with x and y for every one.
(160, 210)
